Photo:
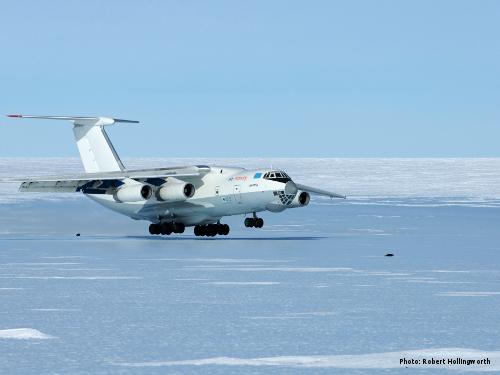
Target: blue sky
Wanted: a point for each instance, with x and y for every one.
(255, 78)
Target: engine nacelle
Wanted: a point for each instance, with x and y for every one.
(301, 199)
(175, 190)
(133, 193)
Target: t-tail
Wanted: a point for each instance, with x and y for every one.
(96, 150)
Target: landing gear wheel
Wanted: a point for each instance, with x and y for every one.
(201, 230)
(220, 229)
(154, 229)
(255, 222)
(179, 228)
(212, 230)
(166, 229)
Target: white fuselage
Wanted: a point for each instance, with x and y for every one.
(223, 191)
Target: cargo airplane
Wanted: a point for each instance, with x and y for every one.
(171, 199)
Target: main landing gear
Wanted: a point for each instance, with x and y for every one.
(211, 230)
(166, 228)
(255, 222)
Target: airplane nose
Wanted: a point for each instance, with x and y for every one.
(291, 188)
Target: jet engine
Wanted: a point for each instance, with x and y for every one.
(175, 190)
(133, 193)
(301, 199)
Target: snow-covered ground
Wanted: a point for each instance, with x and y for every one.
(311, 292)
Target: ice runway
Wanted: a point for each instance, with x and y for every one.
(311, 292)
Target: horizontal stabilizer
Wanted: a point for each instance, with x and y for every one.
(80, 120)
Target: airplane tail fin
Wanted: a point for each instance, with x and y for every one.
(96, 150)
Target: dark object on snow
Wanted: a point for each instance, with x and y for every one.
(389, 255)
(78, 234)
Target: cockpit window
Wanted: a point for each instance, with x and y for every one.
(277, 176)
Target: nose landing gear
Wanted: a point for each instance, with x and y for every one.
(254, 222)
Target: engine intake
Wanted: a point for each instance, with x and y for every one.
(301, 199)
(304, 198)
(175, 190)
(133, 193)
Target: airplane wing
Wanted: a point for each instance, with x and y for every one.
(101, 183)
(319, 191)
